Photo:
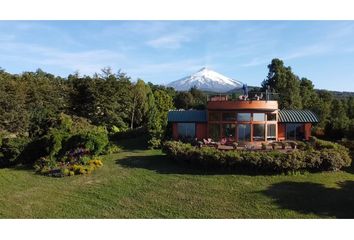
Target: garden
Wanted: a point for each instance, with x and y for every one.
(70, 146)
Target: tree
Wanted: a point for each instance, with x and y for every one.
(139, 103)
(323, 107)
(13, 114)
(183, 100)
(283, 81)
(338, 126)
(199, 98)
(309, 96)
(158, 123)
(350, 107)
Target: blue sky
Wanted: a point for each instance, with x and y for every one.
(164, 51)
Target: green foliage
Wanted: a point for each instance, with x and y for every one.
(183, 100)
(11, 149)
(103, 99)
(199, 98)
(95, 140)
(274, 161)
(154, 143)
(283, 81)
(112, 149)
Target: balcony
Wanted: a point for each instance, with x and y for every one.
(256, 101)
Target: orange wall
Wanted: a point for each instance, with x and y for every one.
(241, 105)
(201, 130)
(307, 130)
(281, 131)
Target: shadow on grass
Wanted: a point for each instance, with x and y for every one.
(133, 144)
(162, 164)
(306, 197)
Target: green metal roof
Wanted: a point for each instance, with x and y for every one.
(187, 116)
(297, 116)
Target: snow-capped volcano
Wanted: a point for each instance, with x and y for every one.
(207, 80)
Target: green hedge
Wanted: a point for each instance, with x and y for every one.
(274, 161)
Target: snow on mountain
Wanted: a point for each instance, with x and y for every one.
(207, 80)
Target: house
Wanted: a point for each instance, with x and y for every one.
(242, 120)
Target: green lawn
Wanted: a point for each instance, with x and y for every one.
(140, 183)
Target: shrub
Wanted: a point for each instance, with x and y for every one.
(111, 149)
(10, 150)
(95, 141)
(274, 161)
(154, 143)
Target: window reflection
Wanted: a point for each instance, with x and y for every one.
(258, 132)
(243, 117)
(244, 132)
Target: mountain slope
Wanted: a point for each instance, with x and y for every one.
(207, 80)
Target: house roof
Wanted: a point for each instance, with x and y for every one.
(187, 116)
(297, 116)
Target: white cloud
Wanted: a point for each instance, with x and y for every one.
(87, 62)
(169, 41)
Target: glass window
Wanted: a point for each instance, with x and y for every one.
(258, 132)
(186, 129)
(271, 117)
(214, 116)
(243, 117)
(229, 130)
(295, 131)
(258, 117)
(214, 131)
(229, 116)
(244, 132)
(271, 132)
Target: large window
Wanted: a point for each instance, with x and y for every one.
(295, 131)
(258, 132)
(229, 116)
(243, 117)
(214, 116)
(258, 117)
(244, 132)
(229, 130)
(186, 129)
(214, 131)
(271, 132)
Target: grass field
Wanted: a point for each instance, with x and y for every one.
(139, 183)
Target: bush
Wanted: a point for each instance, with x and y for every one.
(274, 161)
(154, 143)
(112, 149)
(11, 149)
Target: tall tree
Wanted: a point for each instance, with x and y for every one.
(139, 103)
(13, 114)
(338, 125)
(309, 96)
(183, 100)
(283, 81)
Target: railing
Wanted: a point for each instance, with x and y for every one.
(260, 96)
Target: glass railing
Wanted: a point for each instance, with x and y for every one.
(252, 96)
